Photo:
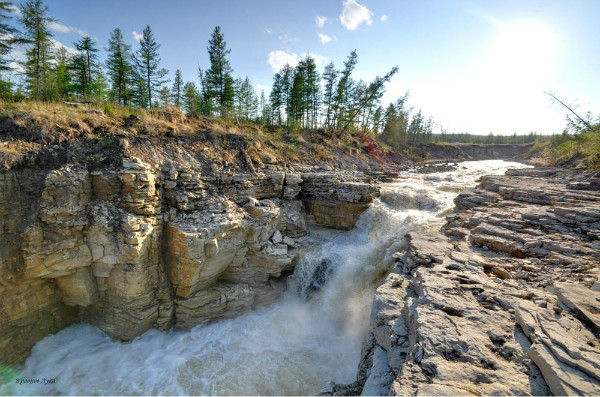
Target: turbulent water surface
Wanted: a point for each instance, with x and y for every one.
(294, 347)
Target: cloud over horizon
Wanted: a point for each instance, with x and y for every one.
(278, 59)
(354, 14)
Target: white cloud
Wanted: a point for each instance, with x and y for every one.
(268, 31)
(383, 18)
(319, 59)
(136, 36)
(285, 39)
(324, 38)
(320, 21)
(279, 58)
(14, 9)
(355, 14)
(70, 50)
(58, 27)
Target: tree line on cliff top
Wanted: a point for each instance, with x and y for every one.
(300, 97)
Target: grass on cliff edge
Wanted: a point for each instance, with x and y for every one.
(29, 126)
(579, 150)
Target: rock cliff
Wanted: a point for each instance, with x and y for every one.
(461, 152)
(154, 244)
(504, 300)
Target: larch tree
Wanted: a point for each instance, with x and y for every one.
(218, 77)
(38, 54)
(62, 78)
(330, 76)
(344, 88)
(312, 91)
(120, 68)
(7, 33)
(276, 98)
(164, 96)
(177, 90)
(85, 67)
(287, 81)
(190, 99)
(148, 65)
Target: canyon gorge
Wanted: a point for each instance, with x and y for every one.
(179, 278)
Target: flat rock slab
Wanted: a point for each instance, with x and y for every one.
(583, 301)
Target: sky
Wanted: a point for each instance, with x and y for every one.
(474, 66)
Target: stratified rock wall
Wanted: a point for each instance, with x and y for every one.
(141, 246)
(504, 300)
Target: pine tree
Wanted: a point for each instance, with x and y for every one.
(120, 68)
(287, 81)
(264, 109)
(148, 65)
(311, 91)
(205, 104)
(218, 77)
(7, 33)
(164, 96)
(364, 96)
(140, 92)
(177, 89)
(190, 98)
(330, 78)
(85, 67)
(342, 95)
(276, 97)
(377, 119)
(297, 102)
(62, 77)
(38, 56)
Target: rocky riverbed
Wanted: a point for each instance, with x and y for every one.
(505, 299)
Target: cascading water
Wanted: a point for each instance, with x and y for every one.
(294, 347)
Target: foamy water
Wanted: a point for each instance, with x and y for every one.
(293, 347)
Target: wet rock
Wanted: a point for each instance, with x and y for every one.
(477, 309)
(142, 245)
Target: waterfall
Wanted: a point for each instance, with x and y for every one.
(312, 336)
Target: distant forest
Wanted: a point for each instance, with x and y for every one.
(300, 97)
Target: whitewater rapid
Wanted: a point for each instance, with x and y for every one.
(294, 347)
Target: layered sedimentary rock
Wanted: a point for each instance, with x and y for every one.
(334, 200)
(152, 245)
(504, 300)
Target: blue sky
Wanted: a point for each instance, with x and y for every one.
(475, 66)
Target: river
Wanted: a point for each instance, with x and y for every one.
(295, 347)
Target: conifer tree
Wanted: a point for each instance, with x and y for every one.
(38, 55)
(85, 67)
(311, 91)
(330, 78)
(218, 77)
(148, 65)
(120, 68)
(205, 103)
(190, 98)
(287, 81)
(7, 33)
(343, 90)
(177, 90)
(276, 97)
(165, 96)
(62, 78)
(140, 92)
